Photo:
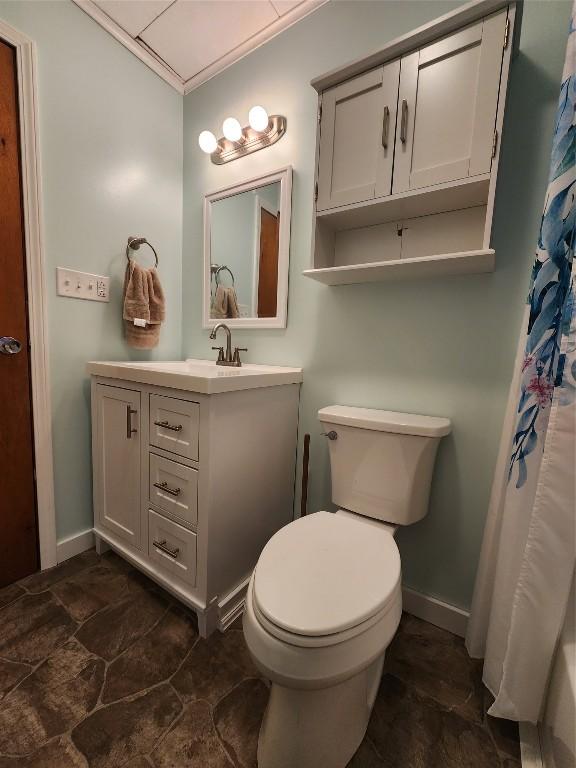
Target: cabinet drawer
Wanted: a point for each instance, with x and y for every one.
(172, 548)
(174, 425)
(174, 488)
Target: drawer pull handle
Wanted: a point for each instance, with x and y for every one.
(167, 425)
(163, 547)
(165, 487)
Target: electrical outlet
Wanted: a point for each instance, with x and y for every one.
(82, 285)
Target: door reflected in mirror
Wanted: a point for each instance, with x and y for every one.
(247, 239)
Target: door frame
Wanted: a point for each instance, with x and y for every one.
(259, 203)
(36, 289)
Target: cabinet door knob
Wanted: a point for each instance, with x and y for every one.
(385, 127)
(404, 122)
(129, 428)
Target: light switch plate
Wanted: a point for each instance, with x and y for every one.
(82, 285)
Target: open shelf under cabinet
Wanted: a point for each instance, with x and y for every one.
(463, 263)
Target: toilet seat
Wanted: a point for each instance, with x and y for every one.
(323, 641)
(326, 578)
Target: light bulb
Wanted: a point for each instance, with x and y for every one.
(258, 119)
(232, 129)
(207, 142)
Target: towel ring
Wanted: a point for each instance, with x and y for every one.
(227, 269)
(134, 244)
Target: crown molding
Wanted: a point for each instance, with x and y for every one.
(157, 65)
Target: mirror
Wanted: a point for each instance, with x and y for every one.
(246, 253)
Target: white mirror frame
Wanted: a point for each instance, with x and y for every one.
(284, 176)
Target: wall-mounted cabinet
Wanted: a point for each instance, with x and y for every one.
(356, 142)
(407, 151)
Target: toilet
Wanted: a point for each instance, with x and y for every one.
(325, 598)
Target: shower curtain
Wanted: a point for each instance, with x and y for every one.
(528, 552)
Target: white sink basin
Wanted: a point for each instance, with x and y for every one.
(202, 376)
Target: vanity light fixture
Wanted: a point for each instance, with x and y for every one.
(232, 129)
(258, 119)
(208, 142)
(262, 131)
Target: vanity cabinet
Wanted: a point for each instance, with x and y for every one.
(408, 149)
(189, 486)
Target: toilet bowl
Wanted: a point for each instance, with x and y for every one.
(321, 641)
(325, 600)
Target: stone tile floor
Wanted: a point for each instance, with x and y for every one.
(100, 668)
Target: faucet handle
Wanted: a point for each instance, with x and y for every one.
(220, 353)
(237, 351)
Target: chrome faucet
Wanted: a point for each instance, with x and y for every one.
(227, 358)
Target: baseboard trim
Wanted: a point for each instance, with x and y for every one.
(422, 606)
(435, 611)
(232, 605)
(74, 545)
(530, 746)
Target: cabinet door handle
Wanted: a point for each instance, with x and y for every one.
(161, 545)
(165, 487)
(404, 122)
(167, 425)
(385, 127)
(129, 428)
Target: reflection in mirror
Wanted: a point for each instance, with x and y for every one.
(246, 252)
(244, 244)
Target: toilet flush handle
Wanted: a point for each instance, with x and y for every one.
(332, 435)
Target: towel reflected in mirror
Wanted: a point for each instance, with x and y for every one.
(225, 303)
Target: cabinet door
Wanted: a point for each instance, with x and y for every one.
(118, 462)
(447, 106)
(357, 138)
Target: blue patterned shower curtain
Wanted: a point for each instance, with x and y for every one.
(528, 554)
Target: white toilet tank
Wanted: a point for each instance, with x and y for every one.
(382, 461)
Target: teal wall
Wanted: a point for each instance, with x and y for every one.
(111, 163)
(233, 227)
(232, 242)
(442, 347)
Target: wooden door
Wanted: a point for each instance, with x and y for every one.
(447, 106)
(357, 138)
(18, 522)
(117, 461)
(268, 264)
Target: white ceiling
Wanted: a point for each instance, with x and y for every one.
(195, 39)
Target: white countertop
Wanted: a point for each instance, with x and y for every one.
(202, 376)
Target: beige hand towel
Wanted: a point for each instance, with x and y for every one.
(225, 303)
(233, 310)
(144, 301)
(220, 303)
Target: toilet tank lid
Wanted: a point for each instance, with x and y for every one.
(386, 421)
